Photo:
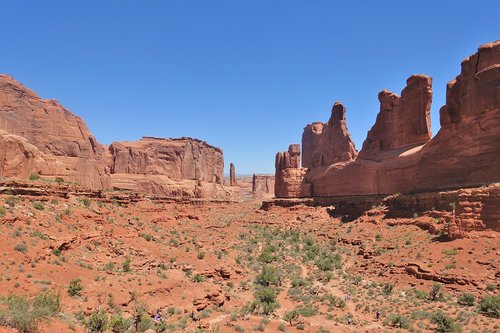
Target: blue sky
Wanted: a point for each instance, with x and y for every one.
(246, 76)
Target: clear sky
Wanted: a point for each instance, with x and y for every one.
(246, 76)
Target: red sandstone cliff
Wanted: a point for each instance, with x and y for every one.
(398, 155)
(40, 136)
(466, 150)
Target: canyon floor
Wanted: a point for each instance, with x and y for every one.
(234, 267)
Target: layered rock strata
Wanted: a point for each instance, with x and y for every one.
(41, 137)
(398, 155)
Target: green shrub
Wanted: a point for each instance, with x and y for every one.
(445, 323)
(126, 264)
(291, 316)
(97, 322)
(387, 288)
(436, 292)
(327, 262)
(147, 237)
(2, 211)
(267, 276)
(265, 300)
(38, 205)
(21, 248)
(201, 255)
(198, 278)
(490, 306)
(491, 287)
(34, 176)
(400, 321)
(119, 324)
(25, 315)
(59, 180)
(47, 303)
(307, 311)
(466, 299)
(75, 287)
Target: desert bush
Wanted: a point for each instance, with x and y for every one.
(126, 264)
(59, 180)
(387, 288)
(400, 321)
(198, 278)
(25, 315)
(265, 300)
(2, 211)
(466, 299)
(75, 287)
(147, 237)
(97, 322)
(445, 323)
(21, 248)
(291, 316)
(327, 262)
(38, 205)
(436, 292)
(267, 276)
(307, 311)
(490, 306)
(201, 255)
(34, 176)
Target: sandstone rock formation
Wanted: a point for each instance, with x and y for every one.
(40, 136)
(289, 177)
(70, 150)
(310, 142)
(398, 155)
(334, 144)
(465, 151)
(262, 185)
(232, 175)
(402, 121)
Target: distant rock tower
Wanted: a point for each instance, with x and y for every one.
(232, 175)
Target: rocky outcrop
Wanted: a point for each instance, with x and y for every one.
(310, 142)
(69, 150)
(41, 137)
(232, 175)
(334, 142)
(399, 156)
(466, 149)
(402, 121)
(289, 177)
(262, 185)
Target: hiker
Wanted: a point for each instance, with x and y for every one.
(158, 316)
(377, 315)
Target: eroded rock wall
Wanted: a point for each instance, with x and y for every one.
(40, 136)
(399, 155)
(262, 185)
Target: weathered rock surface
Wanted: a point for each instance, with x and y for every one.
(40, 136)
(232, 175)
(289, 177)
(402, 121)
(70, 151)
(310, 142)
(398, 155)
(334, 142)
(466, 149)
(262, 185)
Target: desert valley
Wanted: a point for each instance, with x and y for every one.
(149, 236)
